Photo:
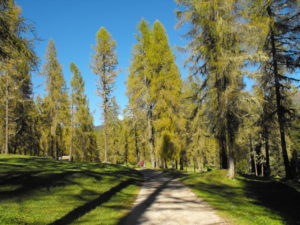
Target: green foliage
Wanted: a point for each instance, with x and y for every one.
(13, 26)
(17, 61)
(83, 139)
(55, 188)
(154, 87)
(57, 103)
(104, 64)
(216, 53)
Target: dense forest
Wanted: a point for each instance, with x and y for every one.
(204, 121)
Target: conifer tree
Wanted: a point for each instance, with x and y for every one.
(138, 88)
(12, 26)
(215, 53)
(104, 64)
(165, 90)
(282, 48)
(82, 129)
(114, 131)
(15, 79)
(153, 88)
(56, 100)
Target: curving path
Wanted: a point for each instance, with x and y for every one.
(165, 201)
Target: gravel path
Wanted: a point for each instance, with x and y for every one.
(165, 201)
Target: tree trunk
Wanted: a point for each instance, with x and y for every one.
(151, 137)
(231, 168)
(181, 163)
(262, 170)
(223, 152)
(253, 153)
(72, 128)
(267, 148)
(6, 116)
(137, 151)
(279, 107)
(105, 128)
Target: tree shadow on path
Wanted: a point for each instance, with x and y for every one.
(135, 214)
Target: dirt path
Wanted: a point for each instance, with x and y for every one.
(165, 201)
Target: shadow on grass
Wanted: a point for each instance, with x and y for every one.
(87, 207)
(276, 196)
(29, 182)
(21, 177)
(280, 201)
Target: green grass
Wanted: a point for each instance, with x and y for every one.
(41, 191)
(246, 201)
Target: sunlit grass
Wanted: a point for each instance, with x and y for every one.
(246, 201)
(40, 191)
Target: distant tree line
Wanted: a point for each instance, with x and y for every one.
(206, 120)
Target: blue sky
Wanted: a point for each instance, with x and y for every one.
(73, 25)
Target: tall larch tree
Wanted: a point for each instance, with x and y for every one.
(56, 101)
(138, 87)
(215, 53)
(104, 63)
(165, 92)
(153, 89)
(281, 45)
(82, 130)
(18, 59)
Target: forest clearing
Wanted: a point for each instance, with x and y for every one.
(150, 112)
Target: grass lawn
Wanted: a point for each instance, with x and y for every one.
(43, 191)
(246, 201)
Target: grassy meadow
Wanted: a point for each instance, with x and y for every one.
(43, 191)
(245, 200)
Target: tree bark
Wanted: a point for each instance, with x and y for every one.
(279, 107)
(253, 153)
(231, 167)
(6, 116)
(105, 127)
(223, 152)
(151, 137)
(72, 128)
(267, 148)
(137, 151)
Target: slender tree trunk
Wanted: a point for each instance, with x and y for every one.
(250, 162)
(222, 139)
(56, 149)
(259, 154)
(223, 152)
(262, 171)
(72, 128)
(280, 111)
(181, 163)
(144, 153)
(6, 116)
(231, 167)
(199, 160)
(126, 149)
(151, 137)
(105, 128)
(137, 151)
(253, 153)
(267, 148)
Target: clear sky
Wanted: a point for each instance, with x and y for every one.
(73, 25)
